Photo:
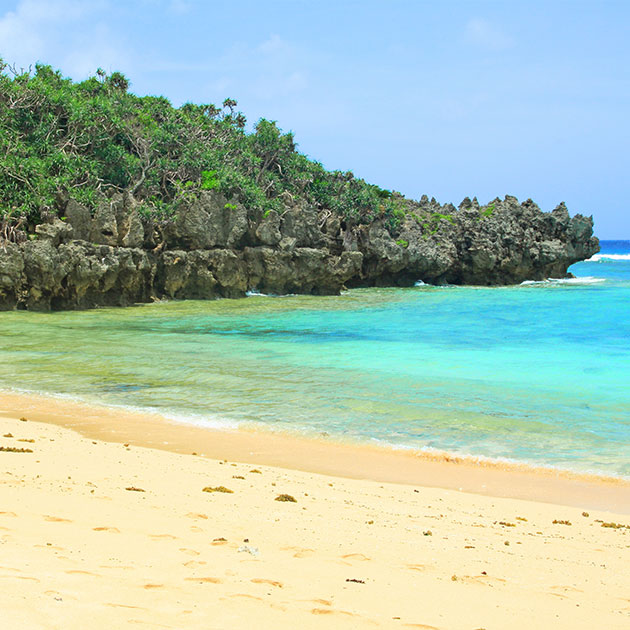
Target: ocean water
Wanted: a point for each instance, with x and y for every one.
(537, 373)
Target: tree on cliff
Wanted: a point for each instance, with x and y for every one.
(87, 140)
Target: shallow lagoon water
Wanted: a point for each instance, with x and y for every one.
(537, 373)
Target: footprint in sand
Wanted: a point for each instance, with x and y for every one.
(265, 581)
(567, 589)
(356, 556)
(8, 514)
(195, 515)
(485, 580)
(11, 569)
(150, 586)
(79, 572)
(191, 564)
(49, 546)
(205, 580)
(190, 552)
(148, 623)
(123, 606)
(560, 595)
(331, 611)
(245, 596)
(113, 530)
(162, 537)
(56, 519)
(417, 567)
(321, 602)
(20, 577)
(300, 552)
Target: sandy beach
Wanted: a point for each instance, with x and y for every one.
(106, 524)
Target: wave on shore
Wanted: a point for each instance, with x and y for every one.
(608, 257)
(577, 281)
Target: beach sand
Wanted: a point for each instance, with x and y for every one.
(109, 527)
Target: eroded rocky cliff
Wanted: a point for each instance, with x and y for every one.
(216, 248)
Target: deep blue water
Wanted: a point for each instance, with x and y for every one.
(537, 373)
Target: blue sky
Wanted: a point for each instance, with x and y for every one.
(451, 99)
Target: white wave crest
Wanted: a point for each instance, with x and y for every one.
(257, 293)
(553, 281)
(608, 257)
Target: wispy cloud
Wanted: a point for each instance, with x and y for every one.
(70, 34)
(275, 68)
(274, 45)
(180, 7)
(484, 34)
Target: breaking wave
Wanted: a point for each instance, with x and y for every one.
(608, 257)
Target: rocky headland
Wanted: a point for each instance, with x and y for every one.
(215, 247)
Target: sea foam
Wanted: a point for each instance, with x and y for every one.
(608, 257)
(577, 281)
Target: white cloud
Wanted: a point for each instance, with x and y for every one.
(275, 44)
(274, 68)
(180, 7)
(484, 34)
(64, 33)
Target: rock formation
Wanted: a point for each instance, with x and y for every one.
(215, 248)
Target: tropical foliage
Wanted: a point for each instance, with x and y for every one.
(61, 139)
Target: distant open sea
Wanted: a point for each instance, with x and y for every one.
(538, 373)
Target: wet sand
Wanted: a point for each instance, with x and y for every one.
(103, 526)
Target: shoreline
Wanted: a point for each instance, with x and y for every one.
(327, 457)
(101, 534)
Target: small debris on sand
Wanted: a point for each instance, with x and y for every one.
(286, 498)
(12, 449)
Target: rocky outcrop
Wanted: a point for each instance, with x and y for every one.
(216, 247)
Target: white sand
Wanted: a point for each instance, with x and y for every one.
(78, 550)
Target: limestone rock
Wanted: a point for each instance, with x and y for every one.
(104, 228)
(80, 219)
(217, 248)
(209, 222)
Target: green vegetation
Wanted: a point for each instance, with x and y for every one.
(486, 212)
(402, 243)
(432, 224)
(89, 140)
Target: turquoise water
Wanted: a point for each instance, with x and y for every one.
(537, 373)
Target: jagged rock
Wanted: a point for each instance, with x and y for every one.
(302, 225)
(214, 248)
(268, 230)
(186, 275)
(11, 274)
(104, 228)
(56, 231)
(211, 221)
(131, 230)
(80, 219)
(303, 270)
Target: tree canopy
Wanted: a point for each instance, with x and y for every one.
(85, 140)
